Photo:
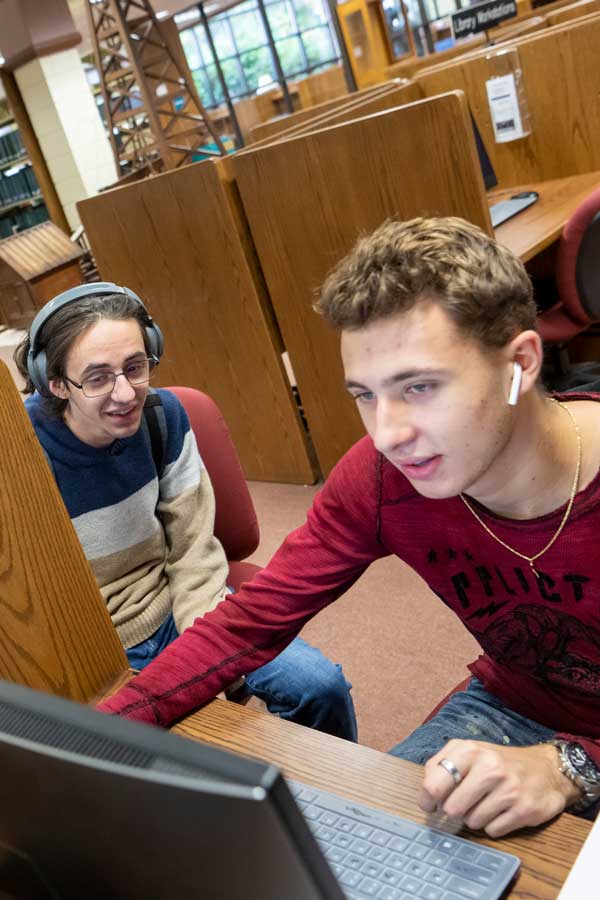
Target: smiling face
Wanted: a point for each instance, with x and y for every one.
(433, 400)
(108, 346)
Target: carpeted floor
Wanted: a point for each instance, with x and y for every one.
(399, 645)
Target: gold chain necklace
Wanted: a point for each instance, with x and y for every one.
(531, 559)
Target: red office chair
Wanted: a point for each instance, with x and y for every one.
(459, 687)
(577, 276)
(236, 525)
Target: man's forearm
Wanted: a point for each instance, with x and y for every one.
(196, 667)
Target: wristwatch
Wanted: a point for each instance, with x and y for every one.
(582, 771)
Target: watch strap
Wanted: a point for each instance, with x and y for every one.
(588, 796)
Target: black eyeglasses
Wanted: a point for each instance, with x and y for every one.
(140, 371)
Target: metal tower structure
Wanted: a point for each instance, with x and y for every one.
(154, 114)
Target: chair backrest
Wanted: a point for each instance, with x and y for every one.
(578, 260)
(577, 274)
(236, 525)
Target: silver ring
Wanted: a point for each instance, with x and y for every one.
(451, 769)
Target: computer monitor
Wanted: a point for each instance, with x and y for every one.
(487, 170)
(93, 806)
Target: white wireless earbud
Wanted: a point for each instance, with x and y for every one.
(515, 385)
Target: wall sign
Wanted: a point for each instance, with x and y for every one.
(483, 16)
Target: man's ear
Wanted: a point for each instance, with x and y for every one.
(59, 389)
(527, 350)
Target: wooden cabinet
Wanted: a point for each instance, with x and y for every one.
(35, 265)
(365, 34)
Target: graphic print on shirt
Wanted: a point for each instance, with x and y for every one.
(526, 622)
(548, 644)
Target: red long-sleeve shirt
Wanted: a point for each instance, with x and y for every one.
(540, 636)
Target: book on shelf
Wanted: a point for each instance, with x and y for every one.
(11, 145)
(16, 184)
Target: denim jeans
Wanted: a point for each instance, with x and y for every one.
(475, 715)
(300, 684)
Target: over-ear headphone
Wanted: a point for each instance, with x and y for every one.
(36, 357)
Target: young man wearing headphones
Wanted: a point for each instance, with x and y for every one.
(146, 528)
(482, 483)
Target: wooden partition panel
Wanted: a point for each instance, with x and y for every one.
(406, 67)
(399, 94)
(275, 126)
(181, 242)
(561, 73)
(516, 28)
(386, 96)
(309, 198)
(322, 86)
(55, 631)
(574, 11)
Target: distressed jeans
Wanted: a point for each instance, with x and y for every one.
(475, 715)
(300, 684)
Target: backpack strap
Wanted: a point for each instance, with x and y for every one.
(156, 429)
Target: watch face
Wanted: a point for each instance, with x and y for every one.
(582, 763)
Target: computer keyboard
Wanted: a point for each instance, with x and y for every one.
(374, 854)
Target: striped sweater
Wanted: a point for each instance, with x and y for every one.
(149, 541)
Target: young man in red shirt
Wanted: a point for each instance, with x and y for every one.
(480, 481)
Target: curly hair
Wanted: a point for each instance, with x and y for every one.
(482, 286)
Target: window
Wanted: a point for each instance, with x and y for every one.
(302, 32)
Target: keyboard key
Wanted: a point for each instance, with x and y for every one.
(390, 876)
(410, 885)
(417, 851)
(437, 876)
(404, 829)
(312, 813)
(351, 878)
(334, 854)
(363, 831)
(369, 887)
(379, 854)
(429, 838)
(324, 834)
(468, 870)
(490, 861)
(343, 840)
(468, 852)
(371, 869)
(328, 818)
(354, 861)
(449, 845)
(429, 892)
(380, 838)
(344, 824)
(360, 846)
(466, 888)
(388, 893)
(417, 869)
(307, 796)
(398, 845)
(396, 862)
(436, 858)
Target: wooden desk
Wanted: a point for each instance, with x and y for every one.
(534, 229)
(380, 780)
